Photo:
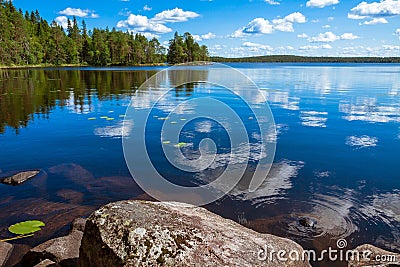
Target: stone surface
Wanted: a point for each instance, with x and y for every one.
(370, 255)
(142, 233)
(79, 224)
(19, 178)
(5, 252)
(62, 250)
(47, 263)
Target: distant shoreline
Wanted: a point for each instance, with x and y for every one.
(303, 59)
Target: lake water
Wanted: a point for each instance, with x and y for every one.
(336, 161)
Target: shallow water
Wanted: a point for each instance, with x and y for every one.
(338, 136)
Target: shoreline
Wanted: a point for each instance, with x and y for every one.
(40, 66)
(78, 66)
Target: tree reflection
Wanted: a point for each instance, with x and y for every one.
(26, 94)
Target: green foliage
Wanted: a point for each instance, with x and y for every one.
(27, 227)
(28, 39)
(186, 49)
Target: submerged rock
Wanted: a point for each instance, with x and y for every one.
(62, 250)
(370, 255)
(142, 233)
(47, 263)
(307, 222)
(19, 178)
(5, 252)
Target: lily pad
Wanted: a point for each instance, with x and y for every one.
(110, 119)
(103, 117)
(26, 227)
(173, 122)
(91, 119)
(180, 144)
(166, 142)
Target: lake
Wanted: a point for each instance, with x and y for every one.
(336, 160)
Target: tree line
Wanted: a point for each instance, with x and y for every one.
(300, 59)
(28, 39)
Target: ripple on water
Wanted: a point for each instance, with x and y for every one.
(338, 214)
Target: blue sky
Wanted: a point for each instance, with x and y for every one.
(235, 28)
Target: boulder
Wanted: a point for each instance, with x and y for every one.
(78, 224)
(5, 252)
(47, 263)
(143, 233)
(62, 250)
(19, 178)
(369, 255)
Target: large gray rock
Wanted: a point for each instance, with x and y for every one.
(62, 250)
(19, 178)
(369, 255)
(142, 233)
(5, 252)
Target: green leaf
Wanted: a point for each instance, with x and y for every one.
(180, 144)
(26, 227)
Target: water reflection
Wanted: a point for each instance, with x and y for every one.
(30, 94)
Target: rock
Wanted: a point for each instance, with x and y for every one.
(370, 255)
(47, 263)
(72, 196)
(79, 224)
(62, 250)
(307, 222)
(19, 250)
(142, 233)
(19, 178)
(5, 252)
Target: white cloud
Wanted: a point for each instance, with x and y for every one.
(256, 26)
(326, 26)
(254, 46)
(206, 36)
(152, 26)
(321, 3)
(354, 16)
(375, 21)
(150, 35)
(324, 38)
(330, 18)
(397, 32)
(329, 37)
(296, 17)
(272, 2)
(303, 35)
(315, 47)
(174, 15)
(282, 25)
(62, 21)
(263, 26)
(77, 12)
(139, 23)
(348, 36)
(147, 8)
(375, 9)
